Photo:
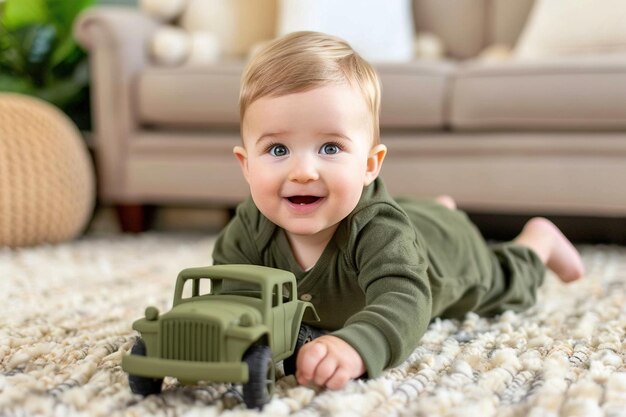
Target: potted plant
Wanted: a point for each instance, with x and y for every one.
(39, 57)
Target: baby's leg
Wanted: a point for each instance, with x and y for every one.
(553, 248)
(447, 201)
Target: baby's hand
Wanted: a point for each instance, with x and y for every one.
(328, 361)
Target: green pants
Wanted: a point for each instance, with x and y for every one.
(466, 273)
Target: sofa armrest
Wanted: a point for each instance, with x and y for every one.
(116, 38)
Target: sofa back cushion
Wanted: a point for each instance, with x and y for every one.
(562, 94)
(189, 96)
(207, 97)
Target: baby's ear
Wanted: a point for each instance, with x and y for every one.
(242, 156)
(375, 163)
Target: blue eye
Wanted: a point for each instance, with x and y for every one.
(330, 149)
(278, 150)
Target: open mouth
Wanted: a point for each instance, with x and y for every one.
(303, 200)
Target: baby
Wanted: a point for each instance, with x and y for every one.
(376, 269)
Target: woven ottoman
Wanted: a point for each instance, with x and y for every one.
(47, 184)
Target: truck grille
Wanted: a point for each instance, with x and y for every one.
(190, 340)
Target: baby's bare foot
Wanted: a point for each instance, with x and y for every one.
(446, 201)
(560, 255)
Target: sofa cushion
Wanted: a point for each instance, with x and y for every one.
(414, 95)
(194, 96)
(574, 94)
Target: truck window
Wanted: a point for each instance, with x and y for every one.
(205, 286)
(287, 292)
(275, 296)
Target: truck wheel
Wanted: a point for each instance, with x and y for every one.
(305, 335)
(261, 376)
(140, 384)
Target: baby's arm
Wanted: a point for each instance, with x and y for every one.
(328, 361)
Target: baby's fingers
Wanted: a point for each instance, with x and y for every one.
(326, 368)
(309, 357)
(339, 379)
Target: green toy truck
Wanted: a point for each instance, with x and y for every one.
(232, 326)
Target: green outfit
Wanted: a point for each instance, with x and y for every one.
(391, 267)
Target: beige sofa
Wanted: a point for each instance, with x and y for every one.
(513, 137)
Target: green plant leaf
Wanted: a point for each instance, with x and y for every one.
(65, 48)
(64, 91)
(37, 45)
(18, 13)
(11, 59)
(60, 92)
(15, 84)
(67, 66)
(63, 13)
(38, 54)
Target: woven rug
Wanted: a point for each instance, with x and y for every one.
(66, 312)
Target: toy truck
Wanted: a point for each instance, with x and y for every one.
(228, 323)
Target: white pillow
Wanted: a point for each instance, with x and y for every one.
(379, 30)
(170, 45)
(573, 27)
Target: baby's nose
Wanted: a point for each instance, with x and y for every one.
(303, 169)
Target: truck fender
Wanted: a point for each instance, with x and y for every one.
(240, 339)
(304, 312)
(249, 334)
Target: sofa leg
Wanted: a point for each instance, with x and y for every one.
(133, 218)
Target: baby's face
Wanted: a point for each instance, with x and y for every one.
(306, 157)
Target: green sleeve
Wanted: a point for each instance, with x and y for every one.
(392, 273)
(236, 244)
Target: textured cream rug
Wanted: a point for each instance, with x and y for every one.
(66, 312)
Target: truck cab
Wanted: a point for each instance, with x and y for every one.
(222, 318)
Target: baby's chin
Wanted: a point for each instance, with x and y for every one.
(307, 229)
(303, 230)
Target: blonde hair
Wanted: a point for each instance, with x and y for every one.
(302, 61)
